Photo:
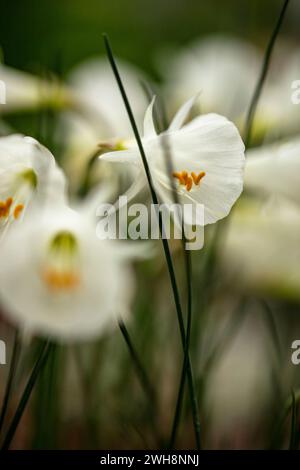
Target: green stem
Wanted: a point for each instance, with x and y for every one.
(89, 412)
(26, 394)
(263, 74)
(11, 375)
(188, 273)
(293, 423)
(164, 240)
(144, 380)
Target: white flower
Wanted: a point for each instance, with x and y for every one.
(275, 169)
(29, 177)
(223, 69)
(98, 115)
(59, 280)
(208, 160)
(26, 91)
(261, 250)
(279, 101)
(99, 102)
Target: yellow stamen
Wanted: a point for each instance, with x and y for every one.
(18, 210)
(187, 179)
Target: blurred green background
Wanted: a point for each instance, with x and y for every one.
(57, 34)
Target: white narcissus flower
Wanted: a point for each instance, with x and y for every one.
(29, 177)
(64, 283)
(275, 169)
(279, 101)
(98, 114)
(208, 161)
(224, 69)
(261, 249)
(25, 91)
(98, 101)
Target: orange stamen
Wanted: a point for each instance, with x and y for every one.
(188, 180)
(198, 178)
(189, 183)
(5, 207)
(18, 210)
(61, 280)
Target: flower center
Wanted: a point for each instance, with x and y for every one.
(28, 177)
(189, 179)
(111, 146)
(61, 273)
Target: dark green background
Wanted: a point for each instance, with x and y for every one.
(56, 34)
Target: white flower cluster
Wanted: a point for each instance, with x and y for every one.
(56, 277)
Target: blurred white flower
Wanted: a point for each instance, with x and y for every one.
(224, 69)
(98, 99)
(275, 169)
(26, 91)
(99, 114)
(208, 160)
(261, 249)
(29, 177)
(64, 283)
(276, 105)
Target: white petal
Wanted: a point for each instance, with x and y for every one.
(98, 96)
(17, 151)
(149, 127)
(261, 249)
(122, 156)
(211, 144)
(101, 194)
(224, 68)
(275, 169)
(131, 192)
(182, 114)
